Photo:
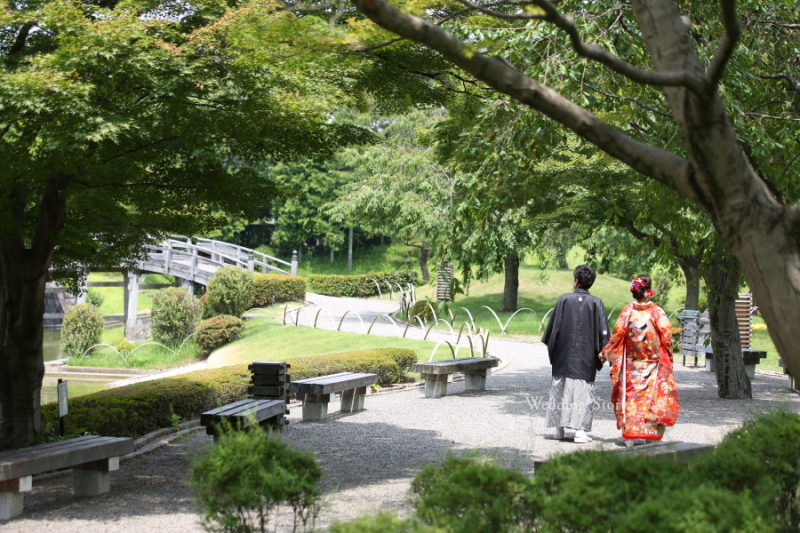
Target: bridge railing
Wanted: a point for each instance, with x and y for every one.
(241, 253)
(200, 259)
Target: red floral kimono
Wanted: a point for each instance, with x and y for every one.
(644, 393)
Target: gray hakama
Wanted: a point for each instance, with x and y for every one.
(570, 405)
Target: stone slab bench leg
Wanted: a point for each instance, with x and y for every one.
(315, 407)
(11, 496)
(353, 399)
(435, 385)
(91, 479)
(476, 379)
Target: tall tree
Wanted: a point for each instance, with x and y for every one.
(396, 187)
(704, 59)
(120, 121)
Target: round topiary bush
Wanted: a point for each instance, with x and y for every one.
(174, 315)
(82, 328)
(422, 309)
(229, 292)
(218, 331)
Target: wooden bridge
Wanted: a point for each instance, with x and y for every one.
(192, 261)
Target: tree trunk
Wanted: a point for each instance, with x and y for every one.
(22, 360)
(722, 281)
(511, 287)
(350, 250)
(23, 272)
(423, 262)
(692, 287)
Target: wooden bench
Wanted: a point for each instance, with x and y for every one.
(91, 458)
(436, 374)
(243, 414)
(750, 358)
(316, 393)
(680, 452)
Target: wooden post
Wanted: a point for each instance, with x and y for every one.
(193, 272)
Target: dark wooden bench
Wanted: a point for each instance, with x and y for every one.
(680, 452)
(436, 374)
(316, 393)
(91, 458)
(750, 358)
(243, 414)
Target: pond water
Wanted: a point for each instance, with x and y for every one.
(75, 386)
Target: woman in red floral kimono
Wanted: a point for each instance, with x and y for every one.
(644, 393)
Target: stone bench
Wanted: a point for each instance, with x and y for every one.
(243, 414)
(750, 358)
(91, 458)
(680, 452)
(436, 374)
(316, 393)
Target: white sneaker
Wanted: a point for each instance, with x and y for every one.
(558, 434)
(581, 437)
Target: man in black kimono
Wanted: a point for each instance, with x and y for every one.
(577, 331)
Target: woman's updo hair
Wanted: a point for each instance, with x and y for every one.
(641, 287)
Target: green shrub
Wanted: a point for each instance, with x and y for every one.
(390, 364)
(601, 492)
(472, 495)
(422, 309)
(383, 523)
(246, 475)
(82, 328)
(95, 298)
(229, 292)
(362, 285)
(139, 408)
(269, 288)
(218, 331)
(760, 459)
(124, 347)
(174, 315)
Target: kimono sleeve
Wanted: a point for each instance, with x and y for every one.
(615, 346)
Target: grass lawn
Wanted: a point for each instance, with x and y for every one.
(762, 341)
(143, 355)
(267, 340)
(114, 297)
(538, 290)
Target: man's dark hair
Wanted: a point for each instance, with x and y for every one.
(585, 276)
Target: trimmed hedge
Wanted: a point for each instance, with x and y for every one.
(390, 364)
(362, 285)
(140, 408)
(278, 288)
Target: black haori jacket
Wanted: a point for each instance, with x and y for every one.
(577, 331)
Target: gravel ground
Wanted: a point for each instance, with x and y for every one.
(370, 457)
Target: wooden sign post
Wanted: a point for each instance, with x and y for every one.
(63, 404)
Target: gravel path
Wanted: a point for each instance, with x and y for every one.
(370, 457)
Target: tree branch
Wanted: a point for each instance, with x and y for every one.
(634, 100)
(160, 186)
(22, 37)
(759, 106)
(594, 52)
(140, 148)
(772, 117)
(668, 168)
(726, 47)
